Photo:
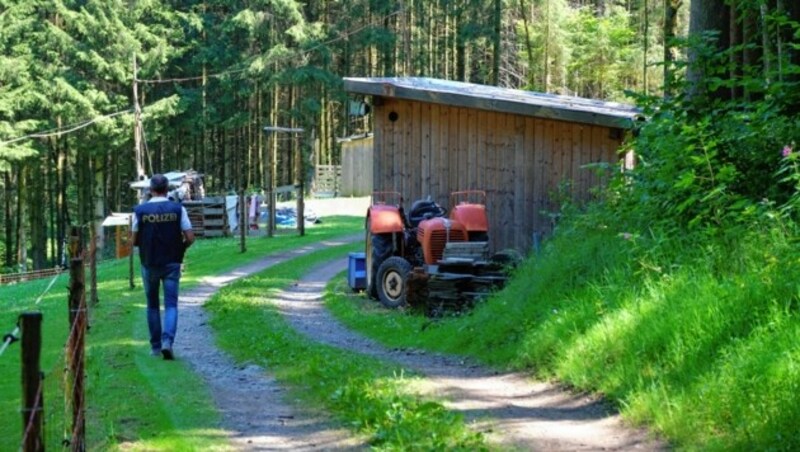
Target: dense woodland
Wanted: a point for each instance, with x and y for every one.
(209, 75)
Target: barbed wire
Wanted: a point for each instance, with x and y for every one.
(78, 353)
(54, 418)
(34, 410)
(10, 338)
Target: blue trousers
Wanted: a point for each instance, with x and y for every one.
(153, 278)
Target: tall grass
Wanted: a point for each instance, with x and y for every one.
(696, 338)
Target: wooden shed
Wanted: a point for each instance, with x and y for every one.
(356, 165)
(433, 137)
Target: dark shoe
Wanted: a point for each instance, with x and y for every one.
(166, 352)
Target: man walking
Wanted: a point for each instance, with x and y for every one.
(162, 231)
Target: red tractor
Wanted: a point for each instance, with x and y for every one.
(428, 259)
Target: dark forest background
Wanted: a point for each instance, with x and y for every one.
(211, 74)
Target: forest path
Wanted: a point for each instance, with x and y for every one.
(512, 410)
(252, 404)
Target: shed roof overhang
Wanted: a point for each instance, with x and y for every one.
(492, 98)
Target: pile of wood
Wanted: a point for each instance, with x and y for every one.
(208, 216)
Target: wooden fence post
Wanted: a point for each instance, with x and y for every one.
(130, 256)
(75, 342)
(273, 202)
(93, 266)
(30, 324)
(301, 220)
(243, 221)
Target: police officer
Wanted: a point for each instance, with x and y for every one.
(163, 232)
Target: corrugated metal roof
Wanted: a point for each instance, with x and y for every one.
(118, 219)
(175, 179)
(528, 103)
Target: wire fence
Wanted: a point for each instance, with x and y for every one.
(60, 423)
(11, 278)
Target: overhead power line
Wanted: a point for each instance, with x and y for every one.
(65, 129)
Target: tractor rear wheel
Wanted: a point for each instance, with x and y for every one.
(391, 281)
(378, 248)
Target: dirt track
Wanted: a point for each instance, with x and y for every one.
(509, 408)
(254, 411)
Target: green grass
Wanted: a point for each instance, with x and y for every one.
(364, 393)
(700, 342)
(134, 401)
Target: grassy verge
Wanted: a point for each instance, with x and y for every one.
(134, 401)
(364, 393)
(699, 342)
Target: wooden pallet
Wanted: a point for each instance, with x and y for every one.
(208, 217)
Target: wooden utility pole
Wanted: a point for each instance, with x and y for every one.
(137, 127)
(75, 342)
(30, 324)
(299, 178)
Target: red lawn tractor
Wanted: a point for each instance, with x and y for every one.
(430, 260)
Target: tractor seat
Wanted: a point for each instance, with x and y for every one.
(424, 209)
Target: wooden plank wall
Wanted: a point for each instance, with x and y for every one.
(521, 162)
(357, 167)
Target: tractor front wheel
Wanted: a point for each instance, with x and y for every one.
(391, 281)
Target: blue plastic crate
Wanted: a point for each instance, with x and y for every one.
(356, 271)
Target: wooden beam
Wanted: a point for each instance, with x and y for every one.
(283, 129)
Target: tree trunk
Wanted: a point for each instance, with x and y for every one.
(52, 189)
(707, 16)
(62, 207)
(671, 8)
(22, 239)
(10, 211)
(99, 195)
(752, 54)
(546, 50)
(36, 211)
(498, 42)
(523, 12)
(791, 8)
(646, 46)
(736, 37)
